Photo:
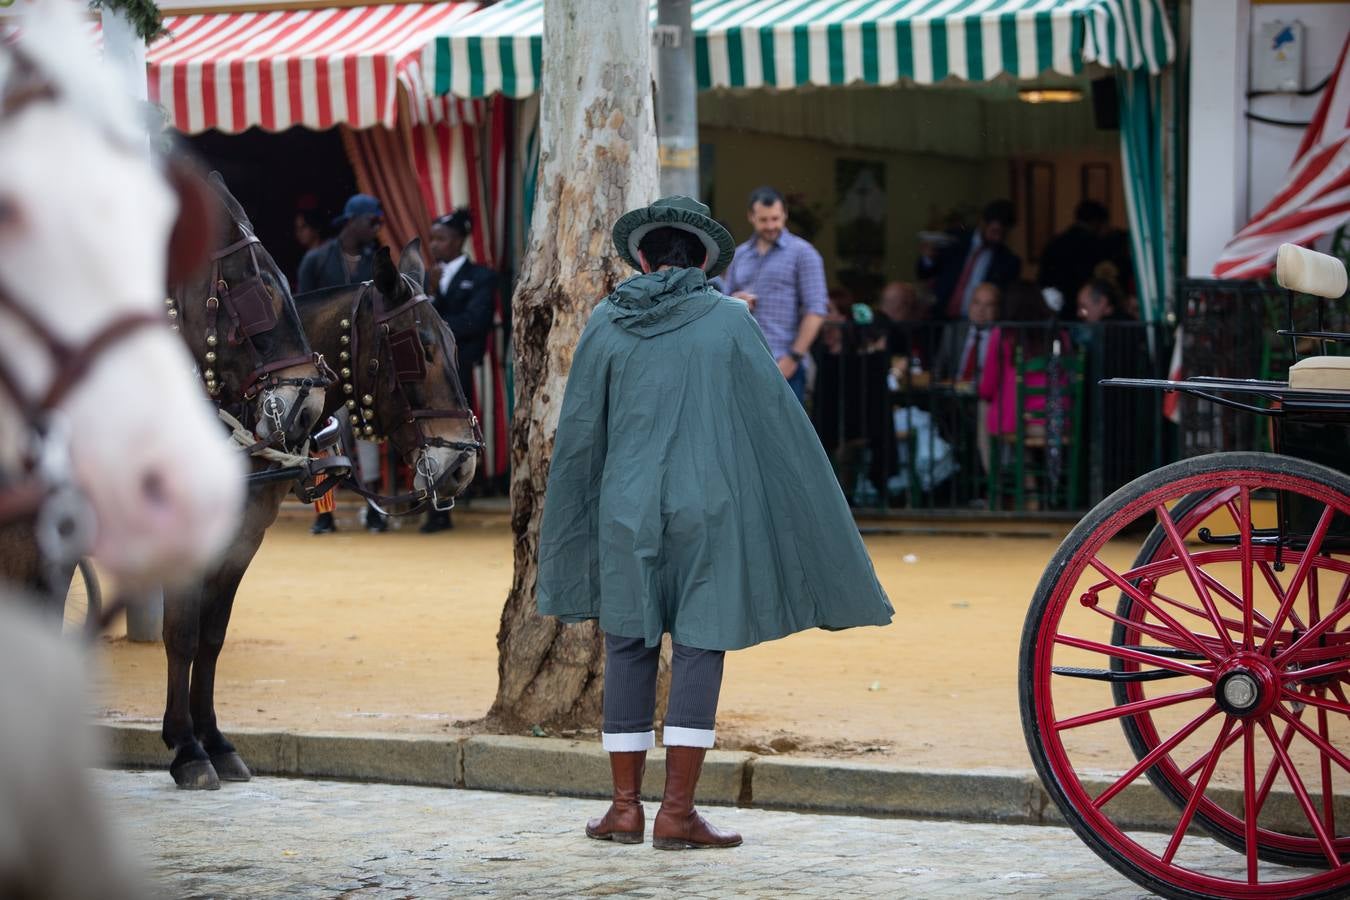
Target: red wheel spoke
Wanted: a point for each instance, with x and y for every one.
(1126, 709)
(1234, 600)
(1301, 792)
(1320, 628)
(1139, 597)
(1320, 702)
(1301, 573)
(1193, 573)
(1199, 792)
(1231, 624)
(1331, 668)
(1168, 637)
(1340, 693)
(1278, 590)
(1153, 756)
(1195, 766)
(1162, 662)
(1248, 597)
(1325, 747)
(1268, 780)
(1250, 809)
(1328, 812)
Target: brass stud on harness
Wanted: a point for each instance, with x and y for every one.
(211, 340)
(209, 375)
(346, 388)
(345, 339)
(346, 373)
(345, 323)
(169, 301)
(351, 404)
(210, 356)
(367, 400)
(344, 356)
(368, 430)
(173, 313)
(354, 420)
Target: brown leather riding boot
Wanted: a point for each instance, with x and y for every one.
(678, 825)
(624, 822)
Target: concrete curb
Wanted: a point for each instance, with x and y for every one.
(730, 778)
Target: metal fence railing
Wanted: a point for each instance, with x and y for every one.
(944, 418)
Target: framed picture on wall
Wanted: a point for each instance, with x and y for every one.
(1097, 183)
(860, 223)
(1039, 191)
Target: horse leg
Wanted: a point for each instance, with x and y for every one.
(215, 621)
(191, 767)
(217, 603)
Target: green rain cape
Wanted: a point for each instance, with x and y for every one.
(689, 493)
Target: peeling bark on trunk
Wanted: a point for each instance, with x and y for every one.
(598, 160)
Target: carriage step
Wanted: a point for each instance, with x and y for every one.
(1109, 675)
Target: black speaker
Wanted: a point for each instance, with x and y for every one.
(1105, 104)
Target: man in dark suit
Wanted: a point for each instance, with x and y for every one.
(1070, 260)
(975, 257)
(464, 294)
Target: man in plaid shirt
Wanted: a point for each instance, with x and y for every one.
(782, 278)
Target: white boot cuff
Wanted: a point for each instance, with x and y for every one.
(675, 736)
(628, 741)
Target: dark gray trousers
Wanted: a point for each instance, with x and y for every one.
(630, 690)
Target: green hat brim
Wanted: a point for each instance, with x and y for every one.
(634, 225)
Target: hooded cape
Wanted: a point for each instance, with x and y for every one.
(688, 492)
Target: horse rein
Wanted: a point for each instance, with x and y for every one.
(263, 377)
(391, 349)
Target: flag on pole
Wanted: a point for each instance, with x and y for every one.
(1315, 199)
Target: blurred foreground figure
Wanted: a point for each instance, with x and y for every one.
(54, 839)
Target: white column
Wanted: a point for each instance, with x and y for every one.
(1217, 167)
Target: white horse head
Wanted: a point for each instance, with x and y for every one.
(85, 222)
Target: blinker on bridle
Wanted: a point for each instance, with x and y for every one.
(400, 357)
(250, 311)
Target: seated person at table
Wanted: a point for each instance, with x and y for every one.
(902, 319)
(965, 344)
(1028, 325)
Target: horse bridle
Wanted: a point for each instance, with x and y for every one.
(399, 359)
(248, 308)
(45, 488)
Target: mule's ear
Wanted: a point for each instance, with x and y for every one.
(411, 264)
(231, 204)
(386, 273)
(199, 224)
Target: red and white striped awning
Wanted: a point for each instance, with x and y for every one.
(1315, 199)
(315, 67)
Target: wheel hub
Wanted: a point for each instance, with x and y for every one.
(1247, 685)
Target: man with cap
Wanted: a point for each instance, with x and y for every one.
(463, 293)
(689, 496)
(348, 258)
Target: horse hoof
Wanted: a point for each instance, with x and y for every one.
(230, 767)
(196, 775)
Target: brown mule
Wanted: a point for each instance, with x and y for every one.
(678, 825)
(623, 822)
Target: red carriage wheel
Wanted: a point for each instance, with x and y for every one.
(1227, 663)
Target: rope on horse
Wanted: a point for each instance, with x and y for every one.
(248, 441)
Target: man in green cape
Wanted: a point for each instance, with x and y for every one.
(689, 496)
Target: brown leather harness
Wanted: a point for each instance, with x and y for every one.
(249, 311)
(397, 363)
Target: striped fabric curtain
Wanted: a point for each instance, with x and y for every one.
(1141, 155)
(379, 156)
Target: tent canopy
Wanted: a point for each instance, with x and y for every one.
(313, 67)
(790, 43)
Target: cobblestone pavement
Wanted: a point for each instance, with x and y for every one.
(290, 838)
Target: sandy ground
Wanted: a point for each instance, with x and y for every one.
(356, 632)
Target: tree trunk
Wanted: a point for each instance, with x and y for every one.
(598, 160)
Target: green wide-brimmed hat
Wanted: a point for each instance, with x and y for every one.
(683, 213)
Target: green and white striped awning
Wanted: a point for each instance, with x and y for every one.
(789, 43)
